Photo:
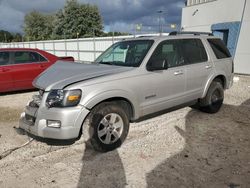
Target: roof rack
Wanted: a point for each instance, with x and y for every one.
(190, 33)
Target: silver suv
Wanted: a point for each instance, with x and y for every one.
(131, 80)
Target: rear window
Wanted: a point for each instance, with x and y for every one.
(219, 48)
(193, 51)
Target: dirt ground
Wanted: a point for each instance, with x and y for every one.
(184, 148)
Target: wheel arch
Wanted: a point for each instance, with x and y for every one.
(121, 101)
(220, 77)
(122, 98)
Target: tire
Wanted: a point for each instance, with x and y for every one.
(195, 106)
(214, 98)
(108, 126)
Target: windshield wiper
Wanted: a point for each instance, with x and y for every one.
(107, 62)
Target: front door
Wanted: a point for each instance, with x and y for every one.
(165, 88)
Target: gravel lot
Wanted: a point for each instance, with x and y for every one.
(184, 148)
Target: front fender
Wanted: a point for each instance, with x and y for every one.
(92, 99)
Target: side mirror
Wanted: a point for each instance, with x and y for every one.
(157, 65)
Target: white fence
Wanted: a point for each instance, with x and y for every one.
(82, 49)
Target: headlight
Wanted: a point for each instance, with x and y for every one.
(63, 98)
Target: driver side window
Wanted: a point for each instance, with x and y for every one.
(169, 51)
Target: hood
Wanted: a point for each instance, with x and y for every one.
(62, 74)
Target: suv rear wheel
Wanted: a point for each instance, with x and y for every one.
(213, 100)
(108, 126)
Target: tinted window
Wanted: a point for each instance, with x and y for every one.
(169, 51)
(27, 57)
(219, 48)
(4, 58)
(193, 51)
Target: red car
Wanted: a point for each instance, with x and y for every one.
(19, 67)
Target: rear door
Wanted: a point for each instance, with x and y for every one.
(6, 81)
(198, 67)
(27, 65)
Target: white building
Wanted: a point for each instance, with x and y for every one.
(228, 19)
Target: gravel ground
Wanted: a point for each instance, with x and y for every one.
(184, 148)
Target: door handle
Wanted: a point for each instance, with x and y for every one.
(208, 66)
(42, 66)
(178, 73)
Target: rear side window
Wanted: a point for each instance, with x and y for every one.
(37, 57)
(4, 58)
(21, 57)
(219, 48)
(193, 51)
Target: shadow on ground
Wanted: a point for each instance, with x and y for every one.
(104, 170)
(216, 152)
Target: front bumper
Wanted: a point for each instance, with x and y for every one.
(34, 121)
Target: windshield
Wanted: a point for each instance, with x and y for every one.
(125, 53)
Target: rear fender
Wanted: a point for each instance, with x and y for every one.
(210, 80)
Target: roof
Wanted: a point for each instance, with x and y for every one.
(17, 49)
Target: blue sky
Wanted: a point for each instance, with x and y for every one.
(118, 15)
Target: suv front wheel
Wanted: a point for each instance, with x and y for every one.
(108, 126)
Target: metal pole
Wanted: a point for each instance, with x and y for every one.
(43, 45)
(65, 47)
(160, 22)
(134, 30)
(78, 47)
(94, 44)
(54, 48)
(112, 33)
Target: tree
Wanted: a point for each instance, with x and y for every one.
(5, 36)
(17, 37)
(38, 26)
(77, 20)
(74, 20)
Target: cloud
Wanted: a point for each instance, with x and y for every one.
(11, 19)
(119, 15)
